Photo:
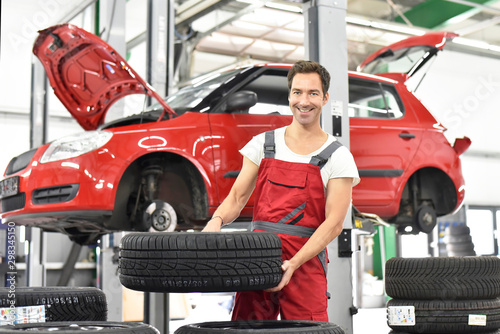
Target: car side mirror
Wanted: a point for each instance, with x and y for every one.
(241, 101)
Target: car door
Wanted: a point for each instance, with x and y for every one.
(384, 138)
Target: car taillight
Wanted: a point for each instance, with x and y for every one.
(461, 145)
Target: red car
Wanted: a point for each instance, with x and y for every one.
(169, 168)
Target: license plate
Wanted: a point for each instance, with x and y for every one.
(9, 187)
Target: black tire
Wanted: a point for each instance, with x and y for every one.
(443, 278)
(457, 230)
(200, 262)
(60, 303)
(261, 327)
(460, 247)
(449, 239)
(449, 316)
(462, 254)
(100, 327)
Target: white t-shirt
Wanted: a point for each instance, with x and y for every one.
(340, 164)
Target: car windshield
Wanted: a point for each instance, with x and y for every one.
(189, 97)
(185, 99)
(399, 61)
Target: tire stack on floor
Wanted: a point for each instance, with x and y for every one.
(443, 295)
(458, 241)
(210, 262)
(63, 309)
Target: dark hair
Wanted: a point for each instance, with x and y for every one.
(307, 66)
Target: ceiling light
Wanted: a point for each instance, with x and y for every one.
(385, 26)
(476, 44)
(289, 8)
(471, 42)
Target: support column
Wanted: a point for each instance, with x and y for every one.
(326, 43)
(36, 257)
(160, 40)
(111, 25)
(160, 68)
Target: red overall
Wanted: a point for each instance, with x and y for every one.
(290, 201)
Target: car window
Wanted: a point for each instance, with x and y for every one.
(272, 94)
(189, 97)
(373, 100)
(399, 61)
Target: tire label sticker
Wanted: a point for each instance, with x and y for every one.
(22, 315)
(401, 315)
(477, 320)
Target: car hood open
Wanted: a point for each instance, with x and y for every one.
(87, 74)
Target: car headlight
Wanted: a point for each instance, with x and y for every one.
(75, 145)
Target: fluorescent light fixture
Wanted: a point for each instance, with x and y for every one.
(471, 42)
(385, 26)
(251, 2)
(289, 8)
(476, 44)
(494, 48)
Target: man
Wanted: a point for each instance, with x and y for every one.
(303, 181)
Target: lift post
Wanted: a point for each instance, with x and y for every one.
(326, 42)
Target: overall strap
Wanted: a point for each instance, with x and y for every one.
(298, 231)
(323, 156)
(269, 146)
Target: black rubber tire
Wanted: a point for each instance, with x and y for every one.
(450, 239)
(462, 254)
(457, 230)
(68, 327)
(460, 247)
(449, 316)
(200, 262)
(61, 303)
(261, 327)
(443, 278)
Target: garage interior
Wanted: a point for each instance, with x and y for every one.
(212, 34)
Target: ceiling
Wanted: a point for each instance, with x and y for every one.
(220, 32)
(273, 30)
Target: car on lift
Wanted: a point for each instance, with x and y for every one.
(167, 167)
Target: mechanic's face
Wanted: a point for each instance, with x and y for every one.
(307, 98)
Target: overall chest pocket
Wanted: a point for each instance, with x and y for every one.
(285, 189)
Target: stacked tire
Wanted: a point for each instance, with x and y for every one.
(62, 309)
(210, 262)
(458, 241)
(443, 295)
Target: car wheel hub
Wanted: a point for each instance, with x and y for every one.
(426, 219)
(160, 216)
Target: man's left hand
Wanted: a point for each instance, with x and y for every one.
(288, 271)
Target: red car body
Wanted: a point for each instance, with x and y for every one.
(166, 169)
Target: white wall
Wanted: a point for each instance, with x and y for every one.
(20, 21)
